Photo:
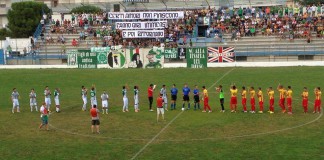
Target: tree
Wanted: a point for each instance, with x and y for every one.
(24, 17)
(4, 33)
(309, 2)
(86, 9)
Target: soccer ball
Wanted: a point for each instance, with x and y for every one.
(182, 109)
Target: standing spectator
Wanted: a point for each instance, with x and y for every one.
(94, 112)
(62, 18)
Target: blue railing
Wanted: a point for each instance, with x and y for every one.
(38, 31)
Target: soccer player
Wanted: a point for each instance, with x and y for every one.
(219, 89)
(185, 92)
(260, 97)
(47, 94)
(57, 99)
(317, 106)
(243, 94)
(289, 99)
(163, 91)
(94, 112)
(233, 103)
(44, 116)
(305, 99)
(282, 94)
(271, 100)
(196, 98)
(205, 99)
(174, 93)
(84, 93)
(93, 96)
(104, 102)
(150, 95)
(136, 100)
(14, 99)
(32, 100)
(159, 109)
(125, 98)
(252, 100)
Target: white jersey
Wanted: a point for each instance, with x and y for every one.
(136, 96)
(163, 92)
(104, 97)
(15, 95)
(47, 93)
(124, 92)
(32, 98)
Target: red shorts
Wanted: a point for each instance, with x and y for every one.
(271, 102)
(233, 100)
(289, 101)
(305, 102)
(282, 101)
(252, 101)
(317, 103)
(243, 101)
(205, 101)
(260, 103)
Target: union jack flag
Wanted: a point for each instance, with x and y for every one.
(220, 54)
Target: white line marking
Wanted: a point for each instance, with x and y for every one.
(157, 135)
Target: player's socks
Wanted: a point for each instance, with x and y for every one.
(18, 110)
(198, 106)
(188, 105)
(174, 105)
(31, 108)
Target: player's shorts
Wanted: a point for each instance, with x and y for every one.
(173, 97)
(165, 100)
(282, 101)
(95, 122)
(317, 103)
(185, 97)
(305, 102)
(160, 110)
(289, 101)
(244, 101)
(32, 102)
(252, 101)
(233, 100)
(125, 100)
(104, 104)
(221, 100)
(271, 101)
(85, 101)
(260, 103)
(57, 101)
(93, 101)
(196, 99)
(136, 101)
(206, 101)
(48, 101)
(15, 102)
(44, 119)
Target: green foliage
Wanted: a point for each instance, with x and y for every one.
(86, 9)
(309, 2)
(24, 17)
(4, 33)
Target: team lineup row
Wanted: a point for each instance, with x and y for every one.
(284, 95)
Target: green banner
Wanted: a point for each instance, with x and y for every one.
(72, 57)
(87, 59)
(171, 53)
(102, 54)
(196, 57)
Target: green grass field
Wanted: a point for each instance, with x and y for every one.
(184, 135)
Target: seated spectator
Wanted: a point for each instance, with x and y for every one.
(74, 42)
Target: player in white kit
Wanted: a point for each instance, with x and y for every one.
(104, 101)
(84, 93)
(32, 100)
(125, 99)
(163, 91)
(47, 94)
(14, 99)
(93, 98)
(136, 100)
(57, 99)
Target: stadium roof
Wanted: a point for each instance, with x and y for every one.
(106, 5)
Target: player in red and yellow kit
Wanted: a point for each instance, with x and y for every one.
(252, 100)
(271, 100)
(317, 106)
(260, 97)
(206, 105)
(233, 103)
(282, 94)
(289, 99)
(305, 99)
(243, 93)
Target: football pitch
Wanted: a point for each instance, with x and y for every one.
(185, 134)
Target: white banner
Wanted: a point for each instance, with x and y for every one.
(145, 15)
(142, 25)
(143, 34)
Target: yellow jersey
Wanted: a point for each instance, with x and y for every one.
(252, 93)
(271, 94)
(205, 92)
(244, 94)
(289, 93)
(260, 96)
(305, 95)
(318, 95)
(282, 93)
(233, 92)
